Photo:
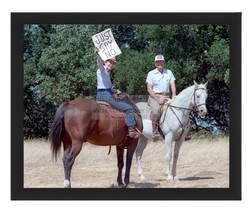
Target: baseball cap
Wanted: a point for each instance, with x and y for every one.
(159, 58)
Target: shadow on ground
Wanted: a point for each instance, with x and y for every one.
(139, 185)
(195, 178)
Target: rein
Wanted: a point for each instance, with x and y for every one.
(184, 126)
(196, 106)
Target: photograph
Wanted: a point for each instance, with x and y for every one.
(125, 106)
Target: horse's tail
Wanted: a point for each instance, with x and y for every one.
(56, 129)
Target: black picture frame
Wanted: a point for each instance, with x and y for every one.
(18, 192)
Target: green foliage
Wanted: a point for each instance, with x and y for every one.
(130, 73)
(60, 60)
(38, 113)
(218, 57)
(65, 71)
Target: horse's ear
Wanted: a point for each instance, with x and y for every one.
(206, 84)
(195, 83)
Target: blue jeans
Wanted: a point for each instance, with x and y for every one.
(106, 96)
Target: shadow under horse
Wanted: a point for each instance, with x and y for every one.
(83, 120)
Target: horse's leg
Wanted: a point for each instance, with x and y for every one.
(70, 154)
(175, 157)
(168, 143)
(120, 164)
(131, 146)
(142, 143)
(67, 150)
(177, 146)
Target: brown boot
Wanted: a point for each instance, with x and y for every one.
(156, 135)
(133, 133)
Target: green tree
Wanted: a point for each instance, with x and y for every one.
(60, 63)
(66, 66)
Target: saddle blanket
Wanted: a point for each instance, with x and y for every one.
(111, 111)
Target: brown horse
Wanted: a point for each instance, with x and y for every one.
(83, 120)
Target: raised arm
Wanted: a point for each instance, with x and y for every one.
(100, 62)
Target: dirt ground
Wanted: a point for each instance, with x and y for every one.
(203, 163)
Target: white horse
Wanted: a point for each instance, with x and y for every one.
(174, 124)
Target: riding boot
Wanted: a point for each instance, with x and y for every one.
(156, 134)
(132, 133)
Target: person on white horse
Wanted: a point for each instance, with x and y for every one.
(159, 81)
(174, 124)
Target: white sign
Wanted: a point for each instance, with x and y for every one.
(106, 44)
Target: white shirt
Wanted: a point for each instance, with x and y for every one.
(103, 75)
(160, 81)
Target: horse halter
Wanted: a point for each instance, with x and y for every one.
(194, 98)
(194, 101)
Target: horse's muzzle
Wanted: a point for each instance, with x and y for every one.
(202, 112)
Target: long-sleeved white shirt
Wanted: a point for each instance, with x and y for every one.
(103, 75)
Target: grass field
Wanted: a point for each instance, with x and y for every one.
(203, 163)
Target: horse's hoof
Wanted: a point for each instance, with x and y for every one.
(169, 178)
(142, 178)
(121, 185)
(130, 186)
(67, 184)
(176, 178)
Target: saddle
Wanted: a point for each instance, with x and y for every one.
(106, 108)
(163, 106)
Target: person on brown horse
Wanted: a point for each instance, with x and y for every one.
(105, 93)
(159, 81)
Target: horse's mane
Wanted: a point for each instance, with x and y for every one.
(183, 94)
(184, 91)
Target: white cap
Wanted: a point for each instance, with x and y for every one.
(159, 58)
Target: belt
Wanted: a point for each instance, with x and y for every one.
(162, 93)
(104, 89)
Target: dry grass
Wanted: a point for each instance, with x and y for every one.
(203, 163)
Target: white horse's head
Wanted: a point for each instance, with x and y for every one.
(199, 98)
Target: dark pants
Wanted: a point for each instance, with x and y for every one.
(106, 96)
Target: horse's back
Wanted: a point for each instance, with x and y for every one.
(86, 119)
(81, 113)
(85, 104)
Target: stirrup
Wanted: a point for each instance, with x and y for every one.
(134, 133)
(156, 136)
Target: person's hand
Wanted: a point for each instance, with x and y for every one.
(161, 101)
(96, 50)
(118, 94)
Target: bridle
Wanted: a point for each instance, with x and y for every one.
(194, 98)
(195, 108)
